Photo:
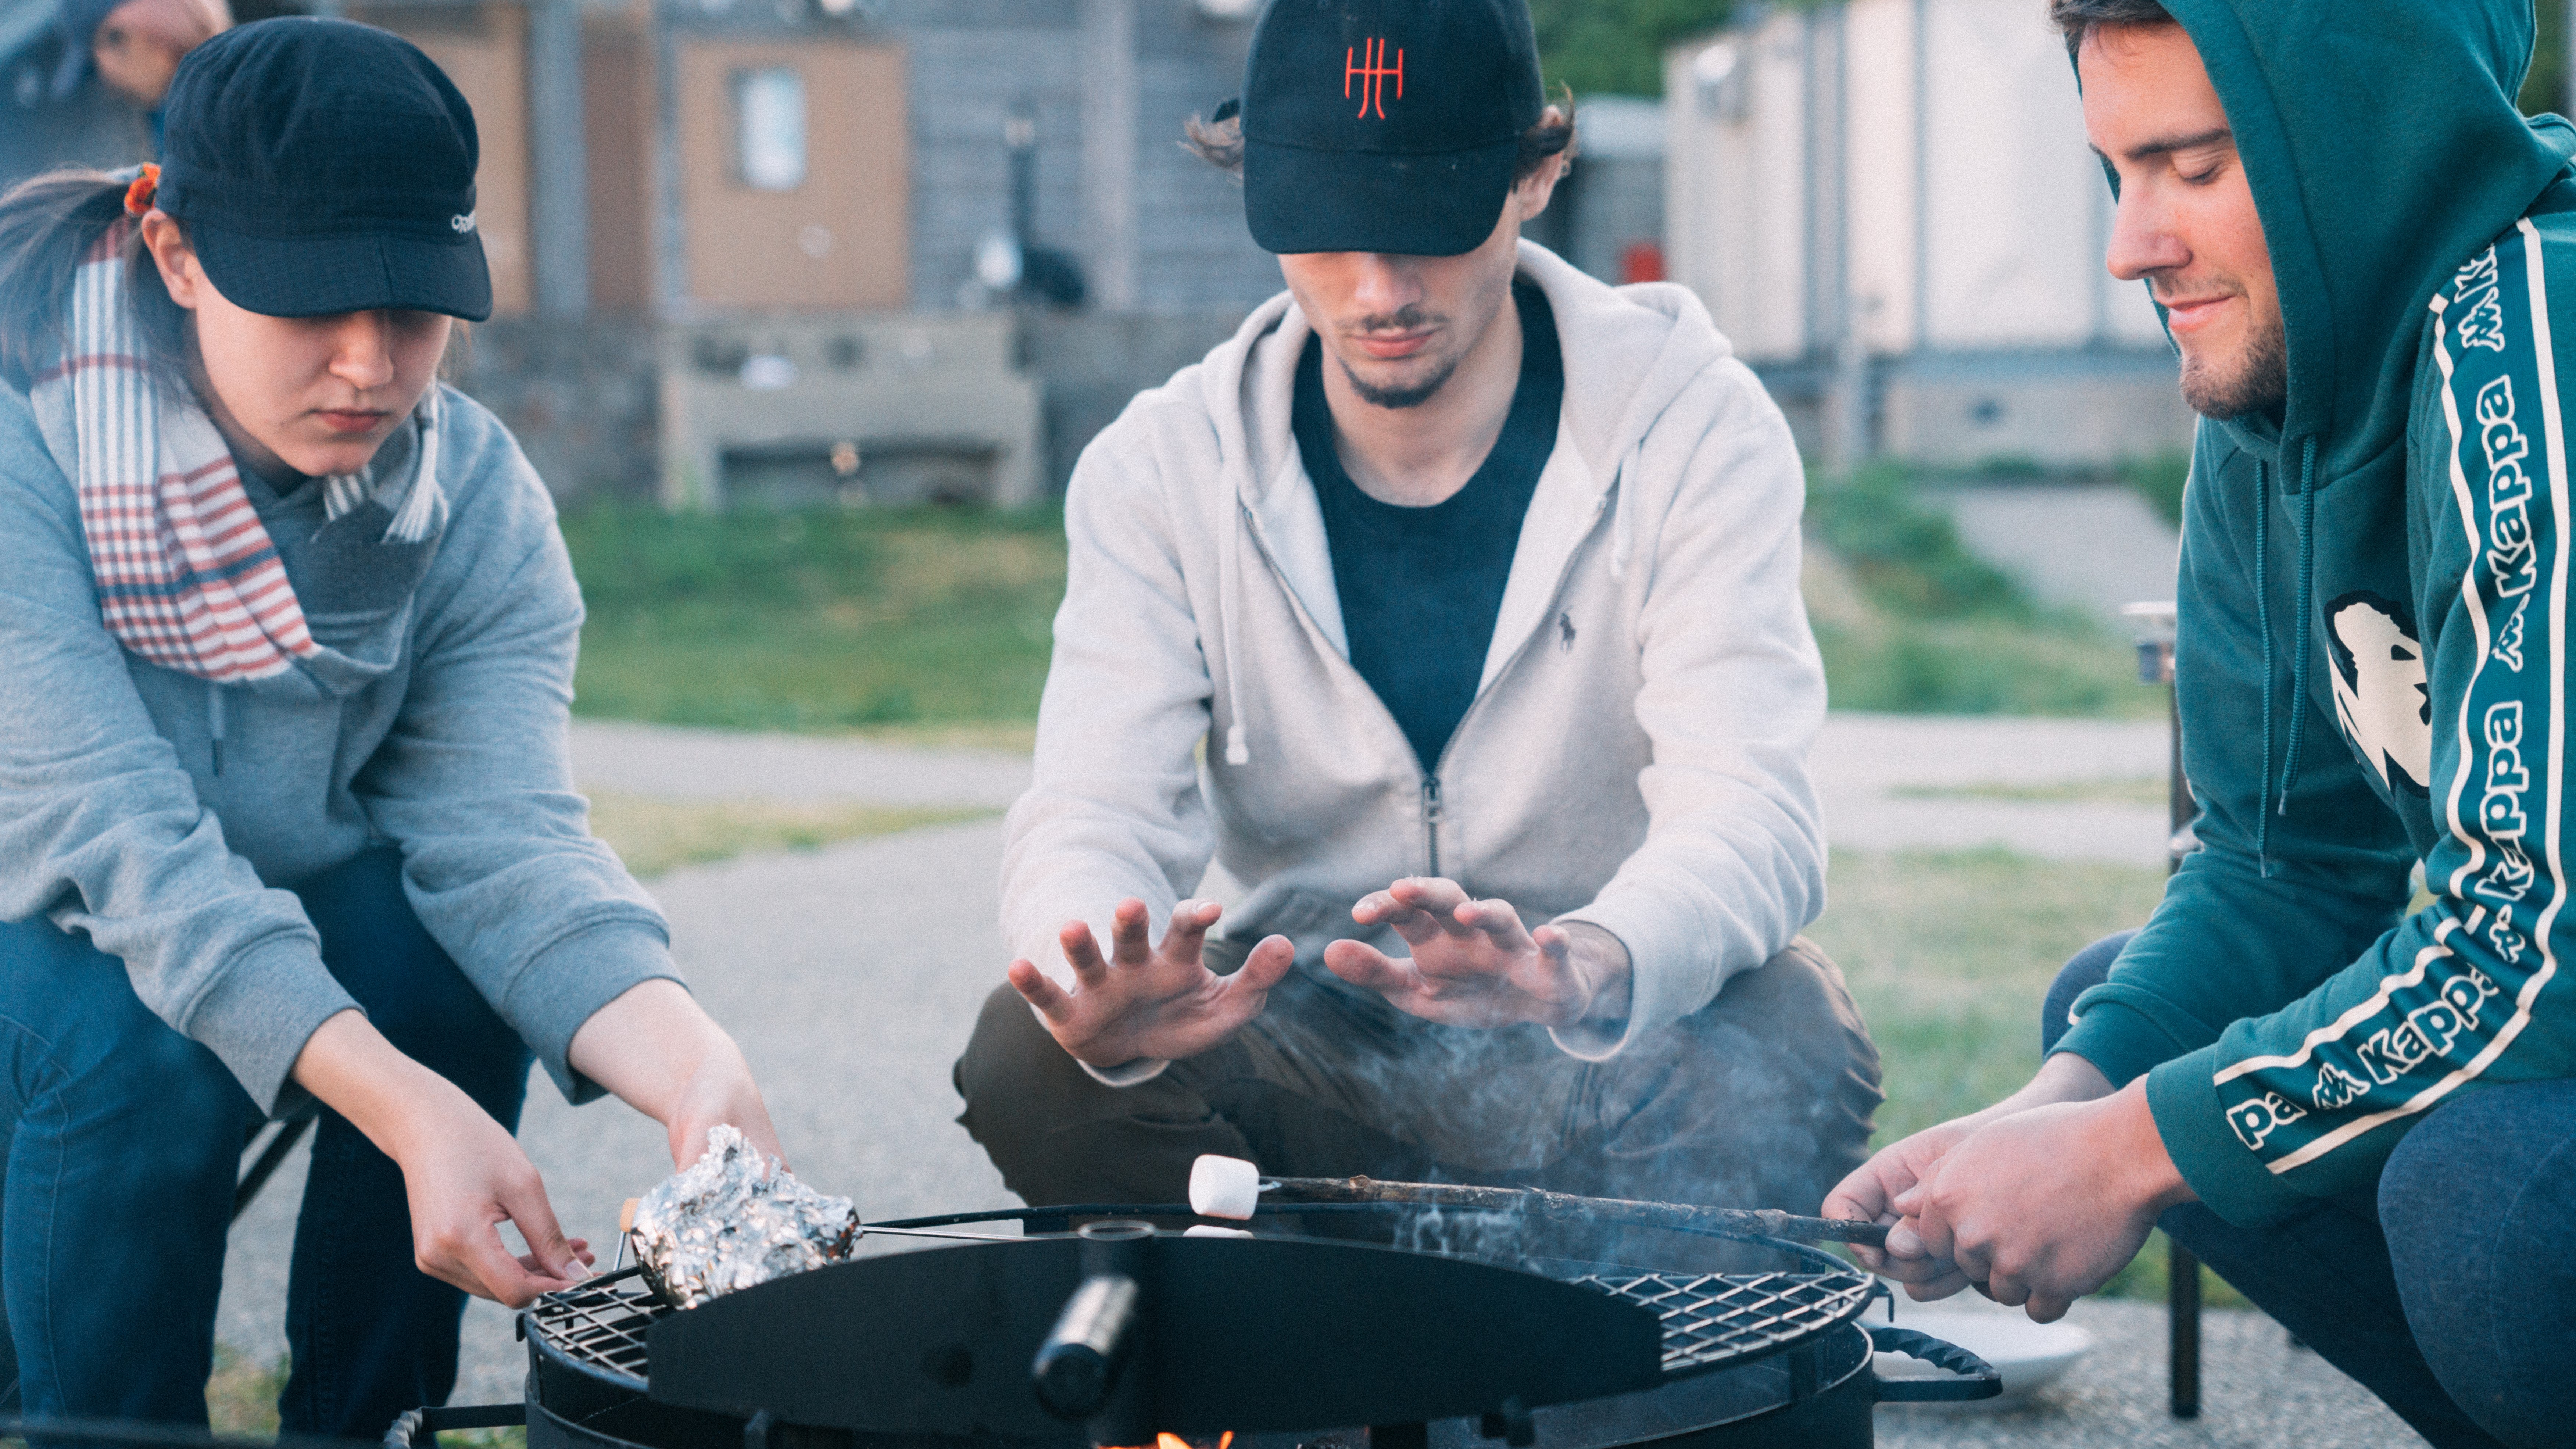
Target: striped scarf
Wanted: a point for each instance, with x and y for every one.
(187, 576)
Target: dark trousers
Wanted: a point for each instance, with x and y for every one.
(125, 1138)
(1762, 1098)
(2447, 1289)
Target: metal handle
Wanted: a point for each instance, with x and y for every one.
(1976, 1378)
(1078, 1364)
(421, 1426)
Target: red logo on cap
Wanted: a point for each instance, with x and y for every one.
(1366, 63)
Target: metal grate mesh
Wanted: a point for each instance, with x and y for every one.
(600, 1326)
(1716, 1318)
(1709, 1319)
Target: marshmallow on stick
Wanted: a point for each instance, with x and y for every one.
(1223, 1187)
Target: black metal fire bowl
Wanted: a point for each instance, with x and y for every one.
(1250, 1335)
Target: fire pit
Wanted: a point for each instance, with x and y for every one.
(1120, 1333)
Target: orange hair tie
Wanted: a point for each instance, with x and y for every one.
(138, 197)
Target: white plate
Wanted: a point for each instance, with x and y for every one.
(2030, 1356)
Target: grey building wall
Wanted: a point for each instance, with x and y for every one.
(970, 60)
(581, 397)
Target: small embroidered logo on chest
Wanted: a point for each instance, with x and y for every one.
(2379, 690)
(1565, 633)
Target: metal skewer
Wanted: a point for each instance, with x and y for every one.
(1766, 1222)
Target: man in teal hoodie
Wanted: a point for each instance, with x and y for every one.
(2359, 1114)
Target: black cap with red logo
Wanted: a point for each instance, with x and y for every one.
(1385, 125)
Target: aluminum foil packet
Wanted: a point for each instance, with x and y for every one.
(734, 1219)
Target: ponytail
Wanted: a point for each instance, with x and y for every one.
(47, 225)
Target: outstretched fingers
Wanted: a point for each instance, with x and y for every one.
(1127, 943)
(1082, 953)
(1502, 924)
(1362, 964)
(1188, 933)
(1052, 1001)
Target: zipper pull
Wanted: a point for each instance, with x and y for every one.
(1431, 819)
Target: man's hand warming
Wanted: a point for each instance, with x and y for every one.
(1148, 1001)
(1474, 964)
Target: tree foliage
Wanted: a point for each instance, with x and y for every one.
(1616, 47)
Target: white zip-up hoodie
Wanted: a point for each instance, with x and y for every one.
(1636, 753)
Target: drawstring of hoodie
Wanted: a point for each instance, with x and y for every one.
(1623, 534)
(2263, 627)
(1229, 588)
(2299, 636)
(215, 722)
(2278, 799)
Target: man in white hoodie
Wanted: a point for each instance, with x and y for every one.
(1478, 581)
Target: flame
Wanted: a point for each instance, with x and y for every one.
(1169, 1440)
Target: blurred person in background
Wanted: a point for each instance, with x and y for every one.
(2359, 1115)
(285, 807)
(99, 103)
(1478, 579)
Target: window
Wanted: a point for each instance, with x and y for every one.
(769, 128)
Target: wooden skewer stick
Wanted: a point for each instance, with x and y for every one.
(1767, 1222)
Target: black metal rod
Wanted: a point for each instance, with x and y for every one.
(271, 1157)
(2182, 1316)
(1078, 1364)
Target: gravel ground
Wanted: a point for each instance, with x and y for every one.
(851, 974)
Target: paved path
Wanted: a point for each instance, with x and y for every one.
(1862, 761)
(850, 975)
(2092, 546)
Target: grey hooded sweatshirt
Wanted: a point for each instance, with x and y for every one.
(1636, 754)
(159, 815)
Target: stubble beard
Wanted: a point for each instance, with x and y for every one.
(1410, 395)
(2259, 382)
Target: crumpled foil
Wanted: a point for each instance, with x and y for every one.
(732, 1220)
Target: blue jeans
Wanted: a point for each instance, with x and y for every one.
(125, 1139)
(2446, 1289)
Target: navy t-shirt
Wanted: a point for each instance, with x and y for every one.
(1420, 587)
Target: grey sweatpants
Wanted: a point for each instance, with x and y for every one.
(1760, 1099)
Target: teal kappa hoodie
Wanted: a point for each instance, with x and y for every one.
(2373, 652)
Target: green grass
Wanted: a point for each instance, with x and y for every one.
(826, 619)
(932, 625)
(1909, 621)
(654, 836)
(1949, 956)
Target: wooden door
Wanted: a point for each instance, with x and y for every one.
(795, 177)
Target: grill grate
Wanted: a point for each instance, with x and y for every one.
(600, 1326)
(1721, 1318)
(1709, 1319)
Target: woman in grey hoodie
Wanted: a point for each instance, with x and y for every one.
(287, 635)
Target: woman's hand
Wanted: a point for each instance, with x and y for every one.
(664, 1056)
(463, 1175)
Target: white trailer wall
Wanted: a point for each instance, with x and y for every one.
(1957, 229)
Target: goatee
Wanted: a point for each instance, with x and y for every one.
(1412, 396)
(2259, 383)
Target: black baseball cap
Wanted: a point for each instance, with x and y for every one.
(1385, 125)
(322, 167)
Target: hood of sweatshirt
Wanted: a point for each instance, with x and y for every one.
(2366, 212)
(2364, 219)
(1628, 356)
